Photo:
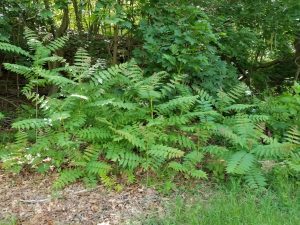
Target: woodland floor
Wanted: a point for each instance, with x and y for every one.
(29, 199)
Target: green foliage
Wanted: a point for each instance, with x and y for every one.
(13, 49)
(57, 43)
(211, 41)
(9, 220)
(255, 179)
(101, 123)
(240, 162)
(30, 124)
(178, 38)
(228, 206)
(256, 37)
(67, 177)
(284, 110)
(118, 111)
(1, 116)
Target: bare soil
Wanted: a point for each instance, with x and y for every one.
(30, 199)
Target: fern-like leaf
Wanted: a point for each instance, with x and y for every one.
(14, 49)
(30, 124)
(19, 69)
(240, 162)
(255, 179)
(183, 103)
(293, 135)
(165, 152)
(58, 43)
(67, 177)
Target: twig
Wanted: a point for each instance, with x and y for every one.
(4, 99)
(33, 201)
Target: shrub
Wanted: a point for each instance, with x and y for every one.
(102, 123)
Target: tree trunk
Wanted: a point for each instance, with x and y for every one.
(51, 21)
(64, 23)
(297, 56)
(115, 45)
(59, 33)
(78, 17)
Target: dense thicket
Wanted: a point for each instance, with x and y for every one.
(113, 89)
(213, 41)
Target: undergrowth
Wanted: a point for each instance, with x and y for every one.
(103, 123)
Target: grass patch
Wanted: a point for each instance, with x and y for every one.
(232, 206)
(11, 220)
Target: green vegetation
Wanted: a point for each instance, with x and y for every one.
(131, 121)
(233, 206)
(9, 221)
(111, 92)
(229, 208)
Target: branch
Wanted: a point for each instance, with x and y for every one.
(35, 200)
(10, 102)
(70, 193)
(269, 64)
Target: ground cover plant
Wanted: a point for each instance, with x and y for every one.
(231, 205)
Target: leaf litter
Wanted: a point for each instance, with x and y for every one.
(30, 199)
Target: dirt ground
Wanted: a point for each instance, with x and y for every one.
(30, 199)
